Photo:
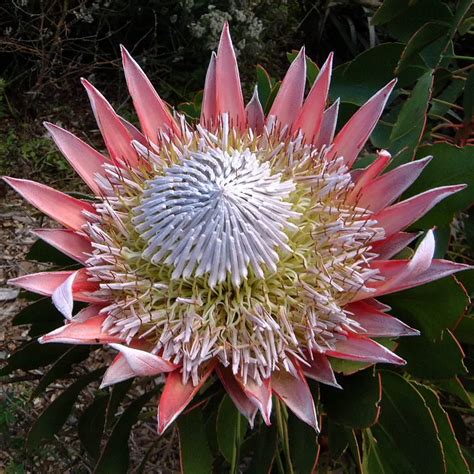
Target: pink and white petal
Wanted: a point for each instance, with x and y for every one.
(68, 242)
(86, 332)
(254, 111)
(400, 215)
(116, 136)
(83, 158)
(134, 132)
(295, 393)
(143, 363)
(64, 209)
(362, 177)
(229, 98)
(310, 118)
(320, 369)
(383, 190)
(117, 372)
(328, 125)
(389, 247)
(260, 395)
(62, 296)
(209, 103)
(353, 136)
(377, 305)
(177, 395)
(238, 396)
(363, 349)
(88, 312)
(287, 104)
(438, 269)
(45, 283)
(376, 323)
(152, 112)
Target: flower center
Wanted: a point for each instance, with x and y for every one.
(216, 213)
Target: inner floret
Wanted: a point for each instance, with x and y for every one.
(216, 213)
(245, 253)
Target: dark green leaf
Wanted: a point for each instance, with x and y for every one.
(408, 129)
(231, 427)
(405, 438)
(265, 449)
(450, 165)
(264, 84)
(41, 251)
(427, 359)
(402, 18)
(304, 447)
(33, 355)
(337, 438)
(55, 415)
(468, 99)
(427, 36)
(115, 456)
(455, 462)
(196, 457)
(42, 310)
(464, 331)
(119, 391)
(271, 97)
(61, 367)
(91, 425)
(361, 390)
(455, 387)
(431, 308)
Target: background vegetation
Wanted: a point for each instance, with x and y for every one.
(419, 419)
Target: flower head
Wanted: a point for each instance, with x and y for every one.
(244, 245)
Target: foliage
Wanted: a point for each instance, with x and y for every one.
(398, 420)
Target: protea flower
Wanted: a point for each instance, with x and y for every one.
(243, 246)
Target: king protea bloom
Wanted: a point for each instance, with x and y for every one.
(243, 246)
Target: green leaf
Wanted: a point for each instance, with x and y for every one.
(196, 457)
(455, 462)
(464, 331)
(271, 97)
(431, 308)
(432, 36)
(119, 390)
(428, 359)
(402, 18)
(468, 98)
(337, 439)
(361, 390)
(231, 427)
(455, 387)
(408, 129)
(264, 85)
(265, 450)
(115, 456)
(405, 438)
(450, 165)
(312, 69)
(351, 82)
(61, 367)
(304, 447)
(55, 415)
(91, 425)
(33, 355)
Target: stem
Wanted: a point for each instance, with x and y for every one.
(283, 432)
(236, 447)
